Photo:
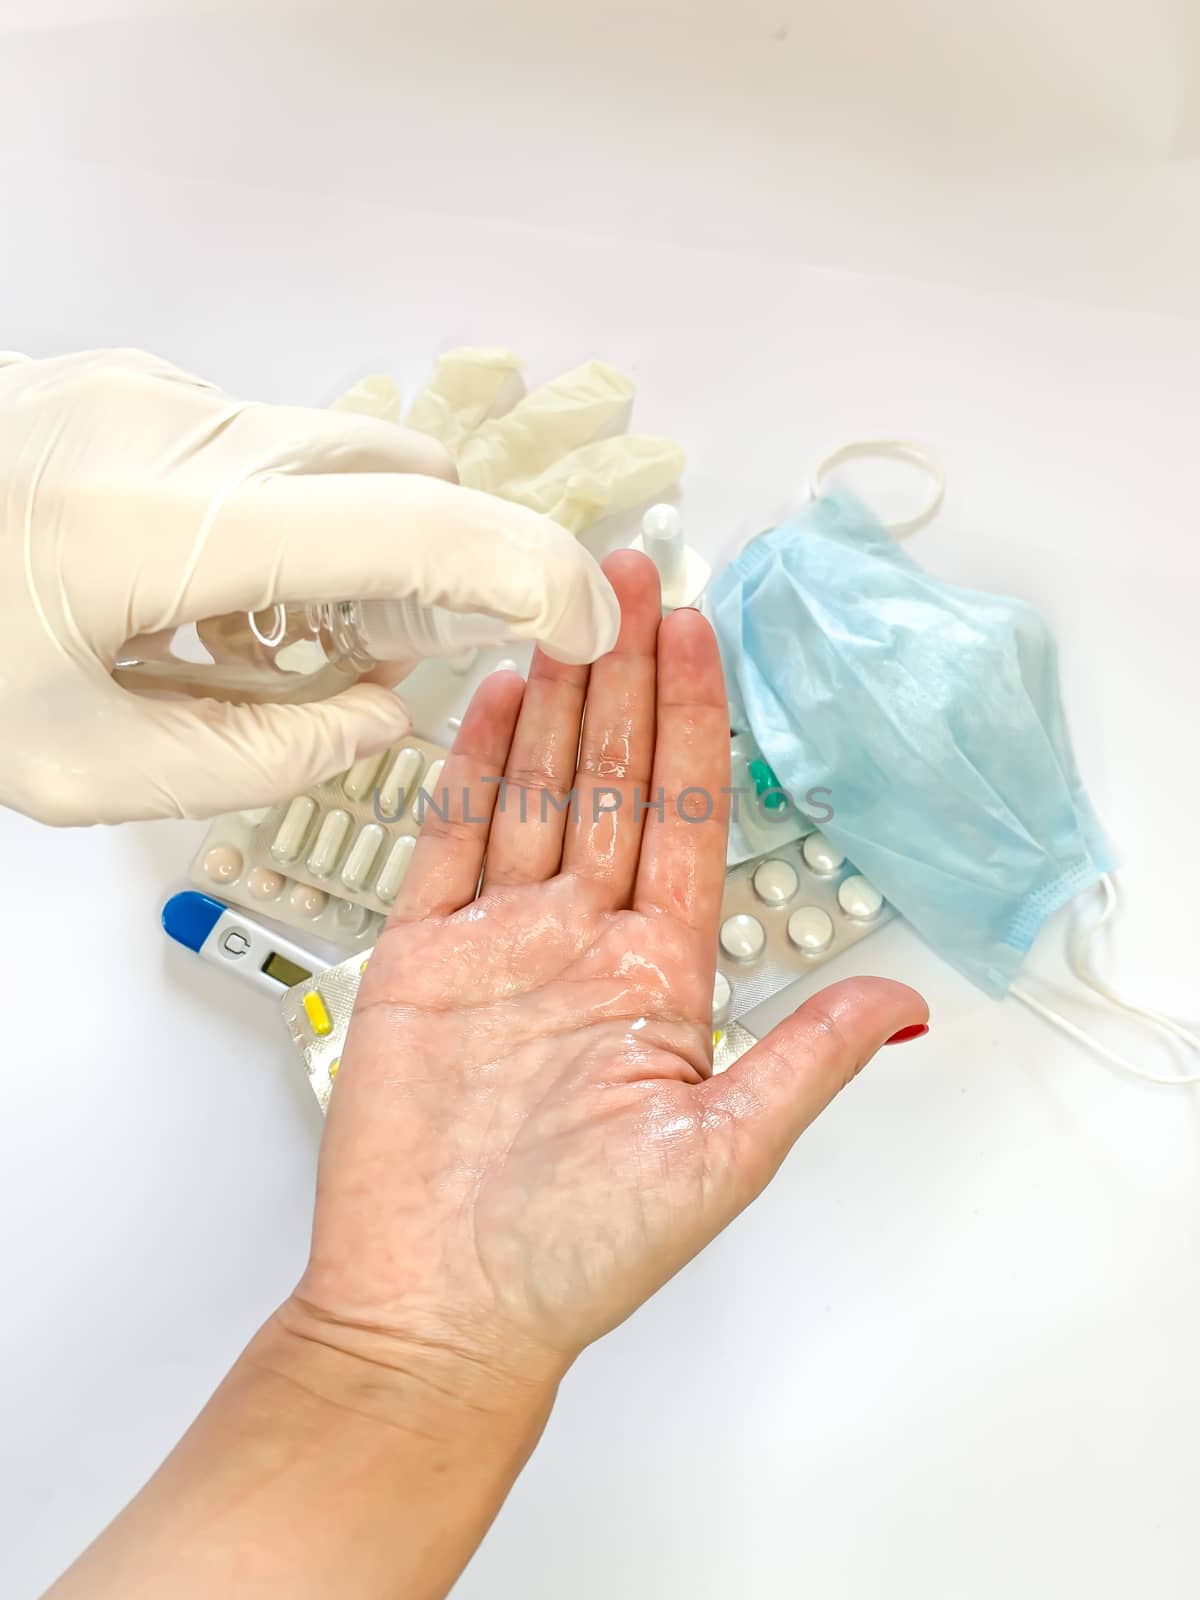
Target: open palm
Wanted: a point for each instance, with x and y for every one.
(525, 1140)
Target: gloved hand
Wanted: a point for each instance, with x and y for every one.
(135, 498)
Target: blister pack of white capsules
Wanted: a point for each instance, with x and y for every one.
(331, 859)
(785, 913)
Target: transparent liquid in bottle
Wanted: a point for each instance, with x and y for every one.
(298, 652)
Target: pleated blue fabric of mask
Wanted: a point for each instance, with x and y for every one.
(932, 713)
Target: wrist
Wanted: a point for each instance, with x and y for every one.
(436, 1382)
(329, 1461)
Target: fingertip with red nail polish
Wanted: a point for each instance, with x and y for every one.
(915, 1031)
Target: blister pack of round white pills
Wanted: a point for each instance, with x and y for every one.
(331, 860)
(788, 911)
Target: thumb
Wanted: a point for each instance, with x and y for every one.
(199, 758)
(775, 1090)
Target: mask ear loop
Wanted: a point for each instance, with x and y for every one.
(1078, 960)
(905, 450)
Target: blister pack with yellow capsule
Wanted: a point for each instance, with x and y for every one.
(318, 1012)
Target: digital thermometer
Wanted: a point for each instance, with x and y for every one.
(229, 938)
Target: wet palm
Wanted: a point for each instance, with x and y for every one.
(526, 1140)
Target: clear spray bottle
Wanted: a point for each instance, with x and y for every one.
(299, 652)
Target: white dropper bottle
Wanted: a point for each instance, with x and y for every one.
(682, 570)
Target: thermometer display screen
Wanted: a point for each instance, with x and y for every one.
(284, 971)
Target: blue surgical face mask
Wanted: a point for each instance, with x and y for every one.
(932, 713)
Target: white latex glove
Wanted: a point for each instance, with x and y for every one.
(560, 449)
(135, 498)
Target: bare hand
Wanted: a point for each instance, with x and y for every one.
(525, 1140)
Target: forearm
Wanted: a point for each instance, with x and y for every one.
(314, 1472)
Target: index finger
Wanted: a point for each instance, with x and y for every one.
(682, 866)
(314, 536)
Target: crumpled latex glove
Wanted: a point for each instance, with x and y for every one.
(557, 450)
(135, 498)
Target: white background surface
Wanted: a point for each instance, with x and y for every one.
(953, 1349)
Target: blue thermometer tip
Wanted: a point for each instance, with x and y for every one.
(189, 917)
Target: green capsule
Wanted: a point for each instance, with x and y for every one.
(766, 783)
